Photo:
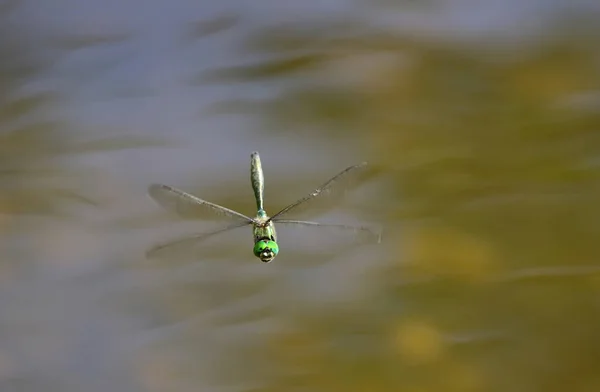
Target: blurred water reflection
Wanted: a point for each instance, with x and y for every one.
(481, 123)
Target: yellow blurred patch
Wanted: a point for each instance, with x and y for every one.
(548, 79)
(445, 251)
(419, 342)
(594, 281)
(592, 385)
(462, 377)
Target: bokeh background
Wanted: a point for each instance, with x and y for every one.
(481, 120)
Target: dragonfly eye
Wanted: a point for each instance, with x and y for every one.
(266, 250)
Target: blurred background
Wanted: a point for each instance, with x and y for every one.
(481, 121)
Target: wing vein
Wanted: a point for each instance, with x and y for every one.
(187, 205)
(190, 240)
(357, 229)
(324, 189)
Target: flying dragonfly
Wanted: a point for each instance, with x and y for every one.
(266, 247)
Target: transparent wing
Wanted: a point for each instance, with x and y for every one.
(189, 206)
(187, 246)
(360, 234)
(332, 190)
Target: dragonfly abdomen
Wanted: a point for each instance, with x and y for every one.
(258, 180)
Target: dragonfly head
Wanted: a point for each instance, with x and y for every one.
(266, 249)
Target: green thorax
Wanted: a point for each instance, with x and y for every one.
(265, 238)
(257, 179)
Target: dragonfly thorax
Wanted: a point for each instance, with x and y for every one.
(265, 238)
(263, 228)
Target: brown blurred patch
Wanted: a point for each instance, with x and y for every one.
(7, 366)
(298, 348)
(156, 372)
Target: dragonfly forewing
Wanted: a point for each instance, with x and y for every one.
(329, 193)
(189, 206)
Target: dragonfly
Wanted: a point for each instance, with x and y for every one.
(266, 247)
